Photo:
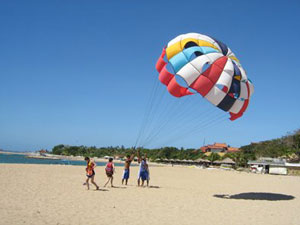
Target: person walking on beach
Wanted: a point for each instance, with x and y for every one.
(90, 172)
(126, 172)
(143, 170)
(109, 170)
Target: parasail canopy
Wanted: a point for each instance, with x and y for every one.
(208, 67)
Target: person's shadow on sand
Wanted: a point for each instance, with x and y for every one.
(258, 196)
(118, 187)
(101, 189)
(152, 186)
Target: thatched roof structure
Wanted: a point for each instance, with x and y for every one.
(225, 161)
(202, 160)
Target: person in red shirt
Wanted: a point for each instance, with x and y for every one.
(109, 170)
(90, 172)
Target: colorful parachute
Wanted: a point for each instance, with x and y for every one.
(208, 67)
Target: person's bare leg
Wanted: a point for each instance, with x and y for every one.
(147, 182)
(107, 182)
(126, 181)
(87, 183)
(142, 185)
(138, 182)
(93, 182)
(123, 182)
(111, 181)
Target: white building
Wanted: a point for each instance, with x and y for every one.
(273, 166)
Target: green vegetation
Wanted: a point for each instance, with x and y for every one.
(153, 154)
(286, 147)
(241, 158)
(214, 157)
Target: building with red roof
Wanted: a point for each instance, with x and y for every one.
(218, 147)
(232, 149)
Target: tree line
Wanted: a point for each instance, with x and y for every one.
(121, 152)
(287, 147)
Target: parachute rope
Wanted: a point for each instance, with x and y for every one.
(223, 83)
(147, 112)
(201, 130)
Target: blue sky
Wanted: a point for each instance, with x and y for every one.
(81, 72)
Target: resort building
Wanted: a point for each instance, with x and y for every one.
(218, 148)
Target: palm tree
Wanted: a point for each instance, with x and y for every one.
(213, 157)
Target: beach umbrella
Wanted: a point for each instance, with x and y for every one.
(228, 161)
(201, 160)
(217, 162)
(205, 161)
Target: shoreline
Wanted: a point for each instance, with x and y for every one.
(71, 158)
(14, 153)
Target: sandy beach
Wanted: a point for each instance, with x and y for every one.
(54, 194)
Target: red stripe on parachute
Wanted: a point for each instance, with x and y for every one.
(169, 79)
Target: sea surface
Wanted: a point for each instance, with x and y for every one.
(22, 159)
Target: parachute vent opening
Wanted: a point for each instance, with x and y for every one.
(190, 44)
(170, 68)
(205, 67)
(193, 91)
(222, 87)
(181, 81)
(195, 55)
(165, 58)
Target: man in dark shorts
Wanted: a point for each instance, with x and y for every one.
(127, 168)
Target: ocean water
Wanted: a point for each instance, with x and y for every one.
(21, 159)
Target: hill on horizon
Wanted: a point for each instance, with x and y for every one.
(287, 146)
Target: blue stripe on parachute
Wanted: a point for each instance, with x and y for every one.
(182, 58)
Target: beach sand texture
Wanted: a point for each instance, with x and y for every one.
(54, 194)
